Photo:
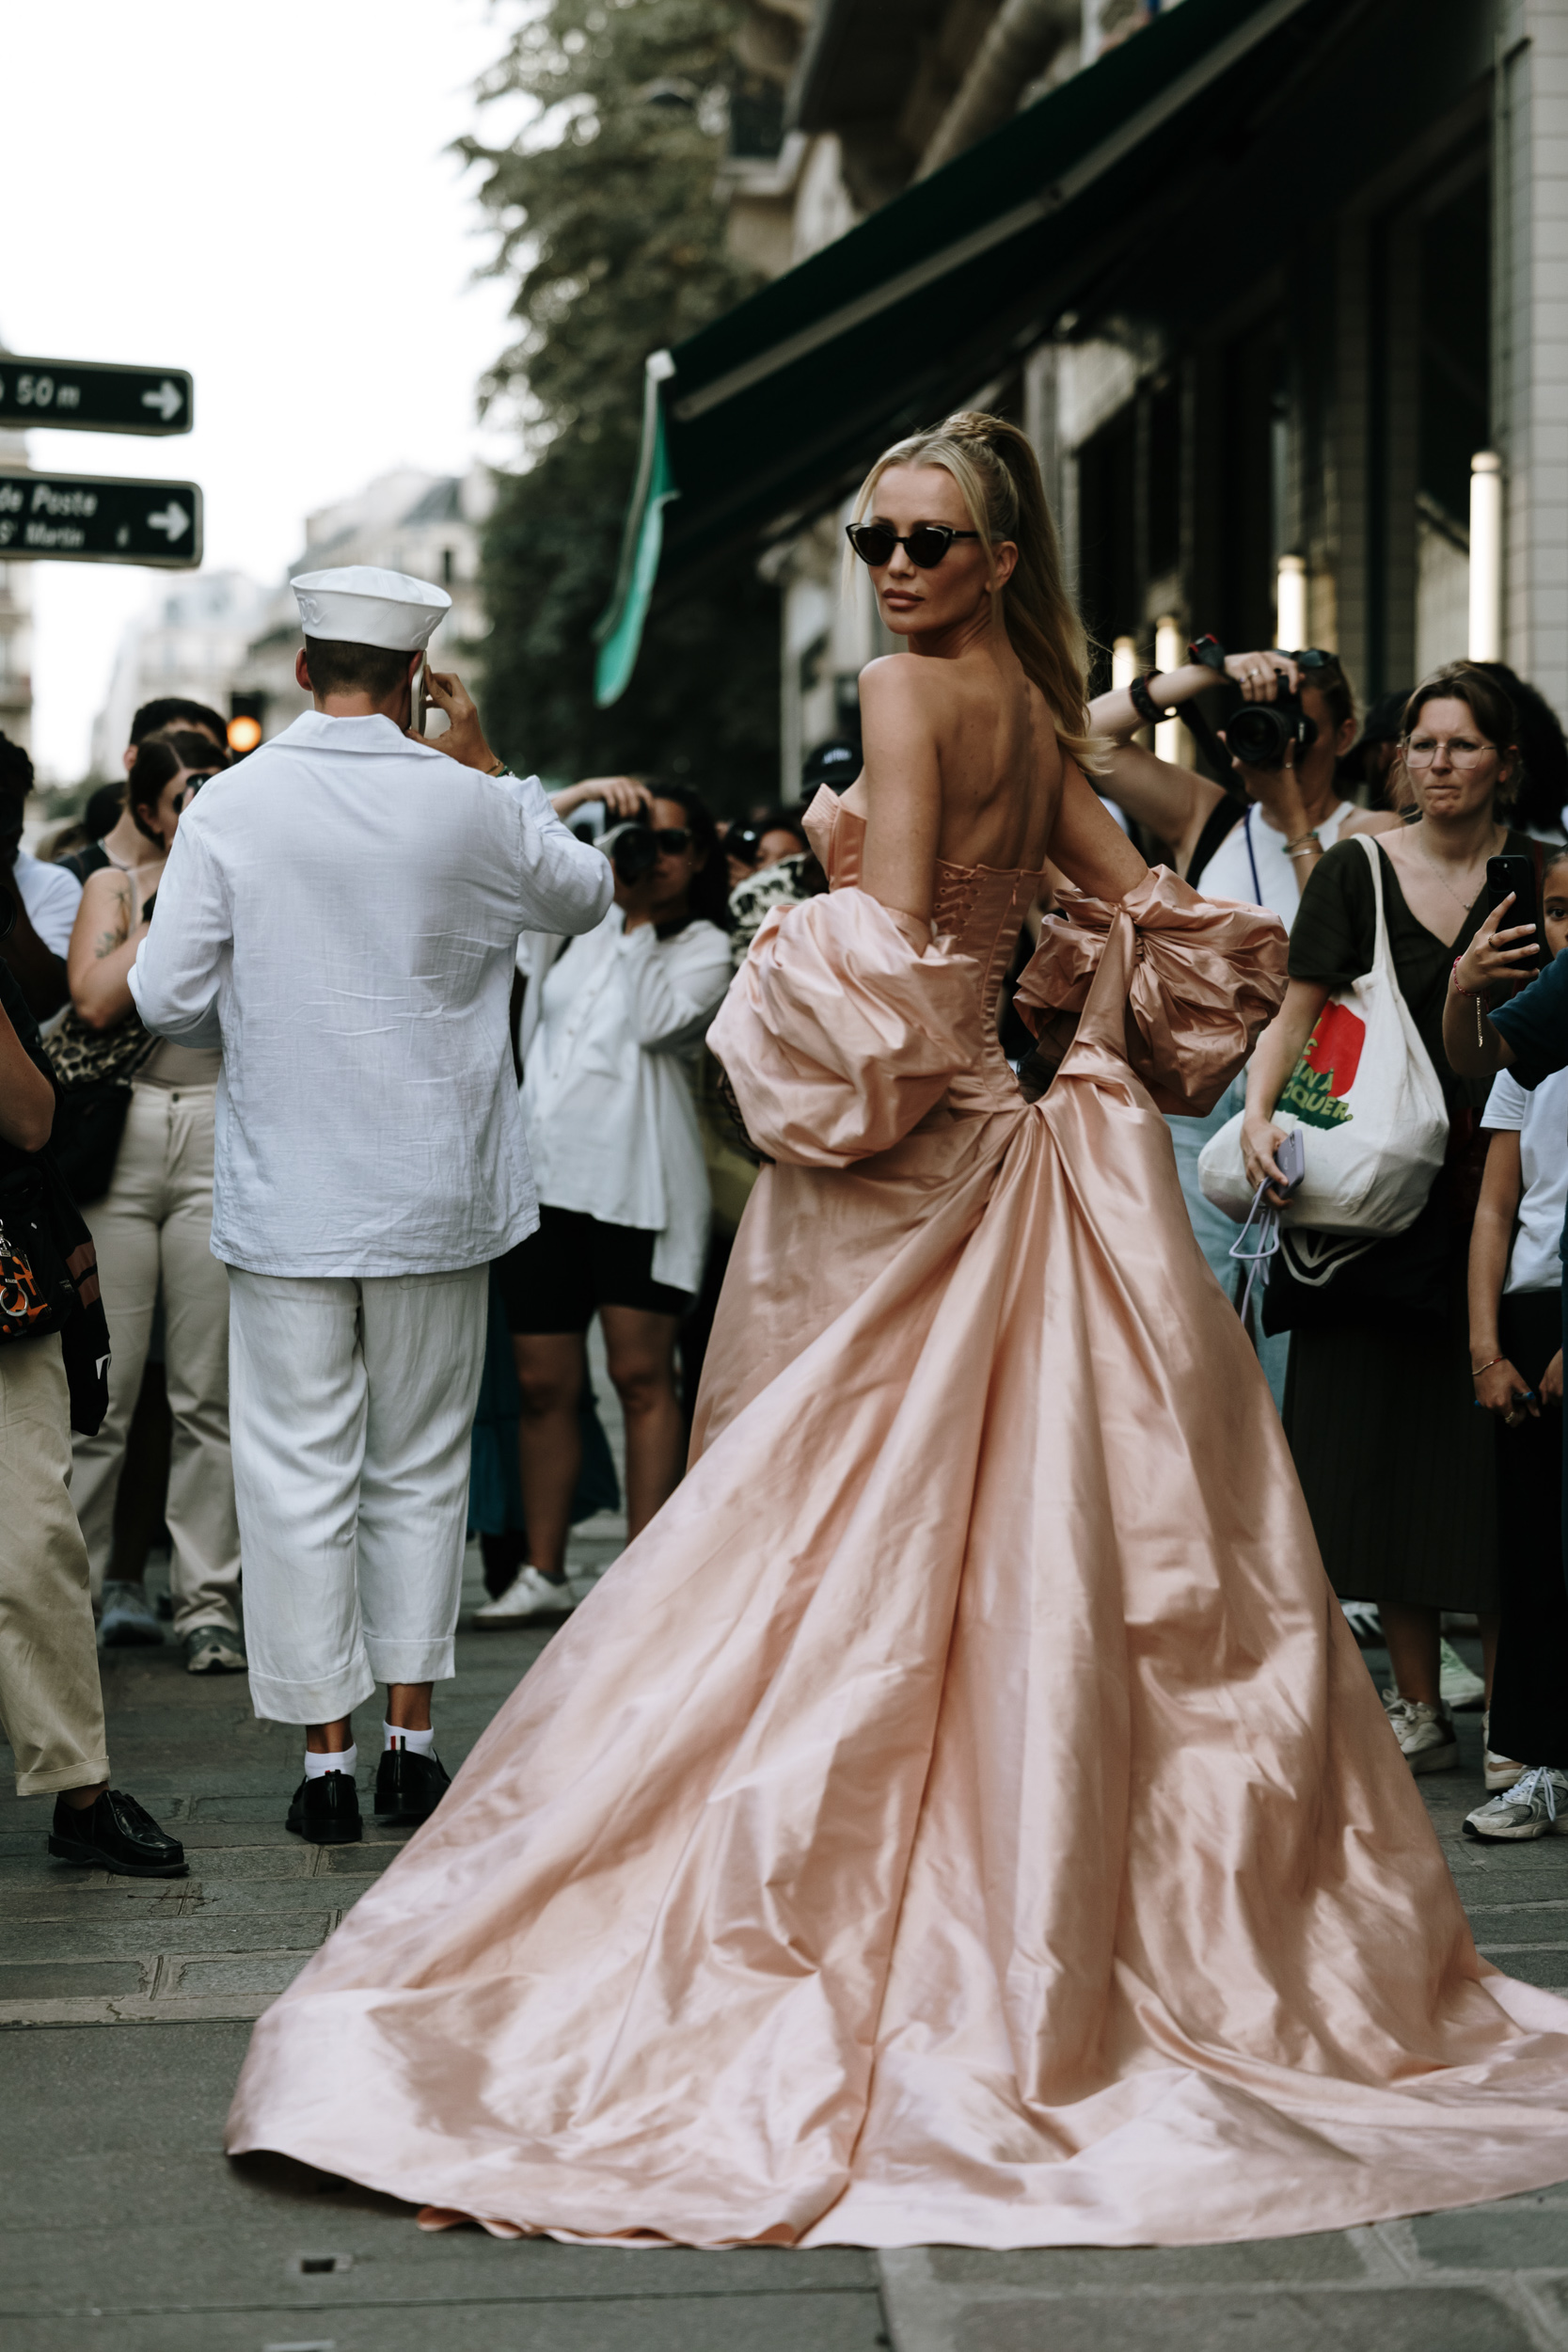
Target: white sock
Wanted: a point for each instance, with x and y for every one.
(335, 1761)
(417, 1742)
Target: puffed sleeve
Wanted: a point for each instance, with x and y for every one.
(843, 1026)
(1207, 977)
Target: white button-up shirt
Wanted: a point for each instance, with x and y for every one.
(607, 1084)
(342, 913)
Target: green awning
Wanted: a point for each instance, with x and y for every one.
(775, 410)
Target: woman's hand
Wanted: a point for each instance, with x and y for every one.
(1495, 958)
(636, 899)
(1551, 1381)
(622, 796)
(1260, 1142)
(1257, 674)
(1501, 1391)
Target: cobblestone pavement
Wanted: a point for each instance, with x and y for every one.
(126, 2008)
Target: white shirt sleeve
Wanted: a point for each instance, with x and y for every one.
(50, 895)
(566, 885)
(675, 987)
(1505, 1106)
(181, 962)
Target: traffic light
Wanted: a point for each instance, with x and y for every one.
(246, 714)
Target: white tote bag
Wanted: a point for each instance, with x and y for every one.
(1366, 1093)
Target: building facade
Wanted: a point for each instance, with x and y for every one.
(16, 625)
(1310, 318)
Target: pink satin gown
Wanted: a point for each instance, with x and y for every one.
(965, 1815)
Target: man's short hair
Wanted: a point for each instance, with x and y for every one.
(173, 711)
(16, 769)
(338, 668)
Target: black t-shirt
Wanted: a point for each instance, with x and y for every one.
(12, 1155)
(1335, 934)
(82, 863)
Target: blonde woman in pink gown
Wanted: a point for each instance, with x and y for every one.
(964, 1814)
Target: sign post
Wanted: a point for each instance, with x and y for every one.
(96, 518)
(82, 396)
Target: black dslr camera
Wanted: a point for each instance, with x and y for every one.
(632, 849)
(1260, 734)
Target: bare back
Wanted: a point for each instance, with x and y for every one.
(963, 765)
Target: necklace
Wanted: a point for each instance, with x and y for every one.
(1437, 871)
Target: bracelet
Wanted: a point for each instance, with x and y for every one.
(1457, 985)
(1143, 701)
(1480, 1368)
(1302, 846)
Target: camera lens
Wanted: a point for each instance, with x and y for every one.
(633, 850)
(1260, 734)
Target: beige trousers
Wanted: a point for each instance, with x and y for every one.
(51, 1701)
(152, 1228)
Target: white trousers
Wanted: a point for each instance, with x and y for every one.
(153, 1228)
(351, 1406)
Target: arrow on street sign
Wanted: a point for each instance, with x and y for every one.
(168, 400)
(93, 519)
(82, 396)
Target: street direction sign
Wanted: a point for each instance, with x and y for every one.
(90, 519)
(82, 396)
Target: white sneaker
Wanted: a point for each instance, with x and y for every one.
(1535, 1806)
(1462, 1691)
(528, 1597)
(128, 1621)
(1426, 1739)
(1501, 1770)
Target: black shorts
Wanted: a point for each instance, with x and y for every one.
(559, 1278)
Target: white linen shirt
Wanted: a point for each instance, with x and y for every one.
(50, 895)
(607, 1084)
(342, 913)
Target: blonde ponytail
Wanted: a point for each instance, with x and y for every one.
(999, 477)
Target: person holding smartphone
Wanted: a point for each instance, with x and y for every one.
(154, 1229)
(1397, 1468)
(1516, 1362)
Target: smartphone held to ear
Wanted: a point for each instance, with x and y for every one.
(1514, 875)
(418, 700)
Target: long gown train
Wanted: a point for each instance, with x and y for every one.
(964, 1814)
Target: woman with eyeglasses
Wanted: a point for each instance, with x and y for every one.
(1396, 1467)
(623, 1200)
(153, 1227)
(963, 1815)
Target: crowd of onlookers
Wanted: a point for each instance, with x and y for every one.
(1418, 1372)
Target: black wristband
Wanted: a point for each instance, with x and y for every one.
(1143, 701)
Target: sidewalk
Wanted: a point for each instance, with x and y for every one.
(124, 2010)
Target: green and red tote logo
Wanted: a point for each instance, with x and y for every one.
(1327, 1068)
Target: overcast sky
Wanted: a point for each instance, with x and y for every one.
(258, 193)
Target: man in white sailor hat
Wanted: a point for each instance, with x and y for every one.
(340, 913)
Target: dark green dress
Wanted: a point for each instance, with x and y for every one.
(1397, 1466)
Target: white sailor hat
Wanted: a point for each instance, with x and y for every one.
(360, 604)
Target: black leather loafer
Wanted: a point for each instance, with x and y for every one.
(409, 1787)
(326, 1810)
(116, 1833)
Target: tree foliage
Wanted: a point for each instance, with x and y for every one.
(607, 214)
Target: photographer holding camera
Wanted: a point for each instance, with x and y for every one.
(1259, 842)
(623, 1201)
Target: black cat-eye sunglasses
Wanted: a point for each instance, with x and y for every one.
(924, 546)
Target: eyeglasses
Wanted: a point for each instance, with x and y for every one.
(193, 785)
(1463, 750)
(924, 546)
(672, 840)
